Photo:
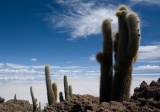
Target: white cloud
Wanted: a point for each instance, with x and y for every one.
(17, 66)
(156, 2)
(39, 67)
(147, 67)
(72, 67)
(69, 71)
(68, 62)
(16, 70)
(92, 58)
(82, 18)
(1, 65)
(33, 59)
(149, 53)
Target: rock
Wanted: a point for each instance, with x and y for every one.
(12, 106)
(2, 100)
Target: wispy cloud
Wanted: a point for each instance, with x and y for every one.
(17, 66)
(147, 67)
(33, 59)
(1, 64)
(156, 2)
(92, 58)
(68, 62)
(149, 53)
(80, 22)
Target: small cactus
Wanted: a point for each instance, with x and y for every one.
(33, 100)
(40, 105)
(15, 99)
(66, 89)
(70, 90)
(55, 90)
(50, 93)
(61, 97)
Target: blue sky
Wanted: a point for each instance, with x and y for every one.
(66, 34)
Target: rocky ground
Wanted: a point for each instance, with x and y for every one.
(146, 98)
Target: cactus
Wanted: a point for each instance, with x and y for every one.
(55, 90)
(50, 93)
(70, 90)
(40, 105)
(66, 90)
(115, 43)
(61, 97)
(105, 60)
(127, 53)
(15, 99)
(33, 100)
(122, 7)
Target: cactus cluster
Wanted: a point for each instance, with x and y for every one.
(52, 89)
(67, 89)
(125, 45)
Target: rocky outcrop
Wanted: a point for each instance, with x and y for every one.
(12, 106)
(2, 100)
(146, 98)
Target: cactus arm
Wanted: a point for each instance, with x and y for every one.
(134, 34)
(100, 57)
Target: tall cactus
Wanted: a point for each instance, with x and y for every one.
(66, 89)
(50, 93)
(55, 90)
(105, 60)
(127, 52)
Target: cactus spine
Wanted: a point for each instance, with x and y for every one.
(61, 97)
(50, 93)
(33, 100)
(55, 90)
(105, 60)
(127, 52)
(66, 90)
(70, 90)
